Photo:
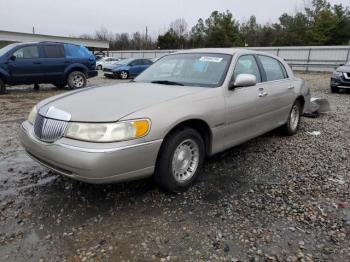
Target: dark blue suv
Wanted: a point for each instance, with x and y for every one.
(46, 62)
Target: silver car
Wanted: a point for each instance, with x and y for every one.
(186, 106)
(100, 64)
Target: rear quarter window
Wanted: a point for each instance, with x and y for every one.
(76, 51)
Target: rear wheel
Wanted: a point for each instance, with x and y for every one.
(293, 123)
(77, 79)
(124, 75)
(2, 87)
(179, 161)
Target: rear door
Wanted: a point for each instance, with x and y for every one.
(54, 62)
(25, 66)
(279, 88)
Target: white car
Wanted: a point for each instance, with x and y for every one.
(100, 64)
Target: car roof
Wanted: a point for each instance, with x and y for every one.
(227, 51)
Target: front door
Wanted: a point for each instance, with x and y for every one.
(25, 66)
(246, 106)
(136, 67)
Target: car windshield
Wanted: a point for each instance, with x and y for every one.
(194, 69)
(7, 48)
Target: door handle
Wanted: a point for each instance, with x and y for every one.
(263, 94)
(291, 87)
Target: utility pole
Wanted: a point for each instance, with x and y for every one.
(146, 37)
(33, 30)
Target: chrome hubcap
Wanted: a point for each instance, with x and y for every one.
(78, 81)
(185, 161)
(294, 117)
(124, 75)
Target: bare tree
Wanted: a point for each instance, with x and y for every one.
(180, 27)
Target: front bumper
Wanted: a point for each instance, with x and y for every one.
(91, 164)
(340, 82)
(92, 73)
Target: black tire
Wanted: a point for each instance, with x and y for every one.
(36, 87)
(76, 79)
(164, 176)
(2, 87)
(99, 67)
(123, 75)
(291, 127)
(334, 89)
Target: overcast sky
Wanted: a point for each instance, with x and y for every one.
(76, 17)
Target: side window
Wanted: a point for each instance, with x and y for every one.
(135, 62)
(27, 52)
(147, 62)
(272, 68)
(284, 70)
(246, 64)
(53, 51)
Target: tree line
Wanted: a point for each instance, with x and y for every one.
(320, 23)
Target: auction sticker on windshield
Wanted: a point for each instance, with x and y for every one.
(211, 59)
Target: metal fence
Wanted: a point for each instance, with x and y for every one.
(303, 58)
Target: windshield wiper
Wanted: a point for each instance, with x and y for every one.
(166, 82)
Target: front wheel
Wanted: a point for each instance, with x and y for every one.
(124, 75)
(77, 79)
(293, 123)
(180, 158)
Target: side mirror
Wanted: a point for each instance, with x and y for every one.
(243, 80)
(13, 58)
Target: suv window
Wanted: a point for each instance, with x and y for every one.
(246, 64)
(76, 51)
(273, 68)
(53, 51)
(27, 52)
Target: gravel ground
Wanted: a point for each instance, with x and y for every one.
(274, 198)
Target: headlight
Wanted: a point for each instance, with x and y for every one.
(32, 115)
(108, 132)
(337, 74)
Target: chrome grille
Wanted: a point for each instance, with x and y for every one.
(49, 130)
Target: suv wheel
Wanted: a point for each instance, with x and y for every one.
(124, 75)
(293, 123)
(179, 161)
(77, 79)
(2, 87)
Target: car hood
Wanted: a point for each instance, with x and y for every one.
(344, 68)
(111, 103)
